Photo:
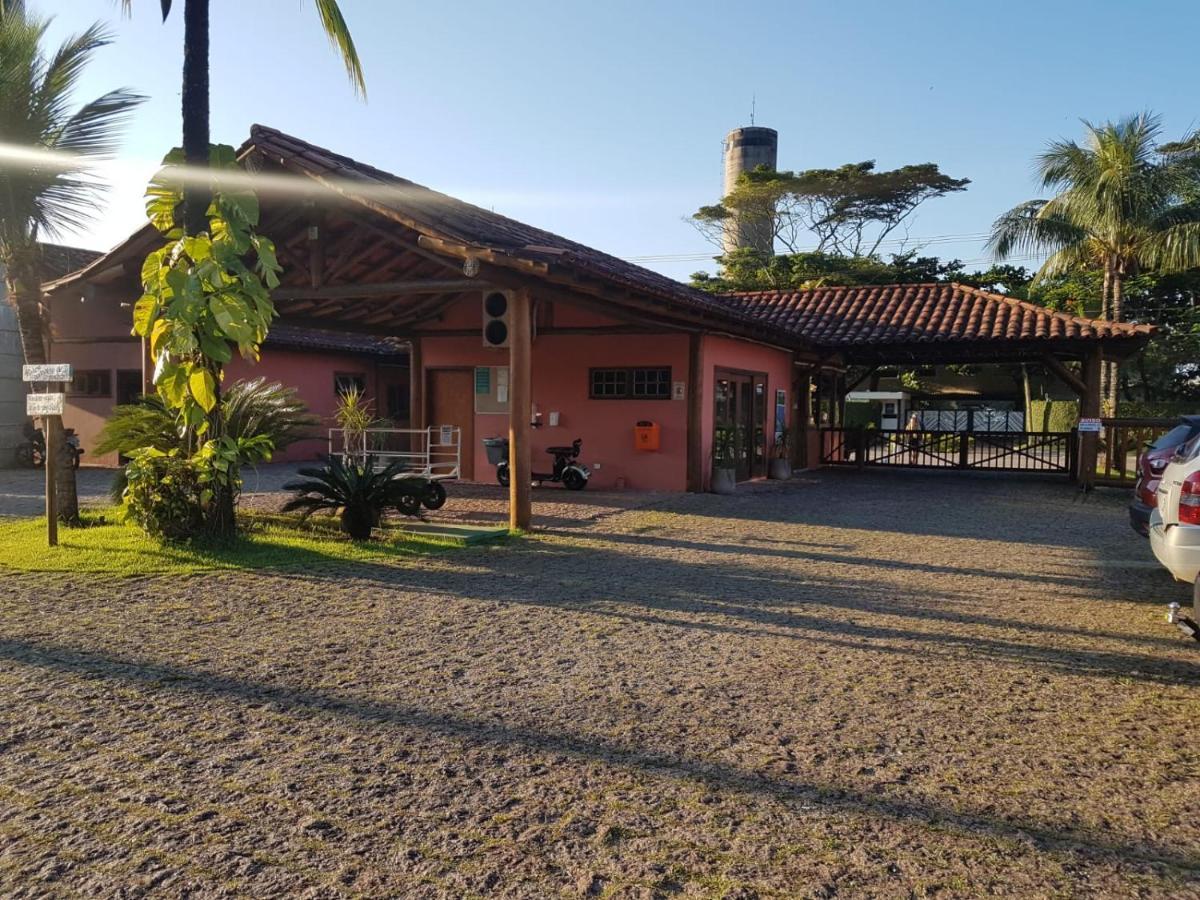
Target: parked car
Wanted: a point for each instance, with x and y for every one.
(1175, 521)
(1151, 463)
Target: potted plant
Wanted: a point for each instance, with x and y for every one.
(724, 469)
(780, 466)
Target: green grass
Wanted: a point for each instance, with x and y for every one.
(107, 546)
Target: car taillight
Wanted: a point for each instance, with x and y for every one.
(1189, 500)
(1157, 465)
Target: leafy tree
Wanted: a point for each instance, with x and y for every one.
(39, 201)
(1123, 203)
(749, 270)
(850, 210)
(189, 376)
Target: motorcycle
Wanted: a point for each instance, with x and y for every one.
(31, 452)
(567, 471)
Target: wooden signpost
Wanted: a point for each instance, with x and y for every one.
(48, 406)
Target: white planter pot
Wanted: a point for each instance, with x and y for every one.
(724, 481)
(779, 469)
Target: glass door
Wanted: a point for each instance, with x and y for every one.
(740, 421)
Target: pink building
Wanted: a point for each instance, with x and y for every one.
(389, 285)
(384, 287)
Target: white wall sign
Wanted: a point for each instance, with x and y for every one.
(1089, 425)
(678, 390)
(45, 404)
(52, 372)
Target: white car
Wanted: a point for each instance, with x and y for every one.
(1175, 521)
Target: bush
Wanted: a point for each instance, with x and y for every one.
(164, 494)
(1162, 409)
(361, 493)
(862, 413)
(1053, 415)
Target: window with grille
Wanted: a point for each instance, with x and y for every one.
(642, 383)
(92, 383)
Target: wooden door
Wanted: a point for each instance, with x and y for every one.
(450, 400)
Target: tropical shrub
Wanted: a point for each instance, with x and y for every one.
(169, 494)
(163, 494)
(354, 416)
(254, 408)
(360, 491)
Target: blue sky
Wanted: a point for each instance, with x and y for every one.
(604, 121)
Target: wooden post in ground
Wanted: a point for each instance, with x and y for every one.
(520, 409)
(416, 383)
(1089, 408)
(51, 427)
(695, 414)
(801, 416)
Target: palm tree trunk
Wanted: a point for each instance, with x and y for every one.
(1115, 307)
(25, 290)
(195, 112)
(65, 490)
(24, 293)
(1105, 307)
(196, 198)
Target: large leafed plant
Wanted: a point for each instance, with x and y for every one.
(206, 296)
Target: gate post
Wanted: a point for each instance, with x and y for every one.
(860, 447)
(964, 449)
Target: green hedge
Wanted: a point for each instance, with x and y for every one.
(1139, 409)
(862, 413)
(1053, 415)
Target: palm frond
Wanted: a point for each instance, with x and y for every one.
(338, 32)
(1174, 249)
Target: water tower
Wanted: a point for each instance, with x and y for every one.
(746, 149)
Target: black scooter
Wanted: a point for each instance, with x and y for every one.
(31, 452)
(571, 474)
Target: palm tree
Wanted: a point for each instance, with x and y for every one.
(1123, 203)
(196, 197)
(196, 91)
(39, 201)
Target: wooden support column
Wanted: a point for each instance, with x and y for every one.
(695, 414)
(416, 385)
(520, 410)
(1089, 408)
(801, 416)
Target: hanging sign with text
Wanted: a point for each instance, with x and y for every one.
(45, 404)
(1089, 425)
(52, 372)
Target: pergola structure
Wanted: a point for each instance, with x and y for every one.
(945, 323)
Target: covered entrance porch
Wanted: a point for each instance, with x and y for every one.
(863, 329)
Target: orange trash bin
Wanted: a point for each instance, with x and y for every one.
(645, 436)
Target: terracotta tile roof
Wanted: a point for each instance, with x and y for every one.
(921, 314)
(295, 337)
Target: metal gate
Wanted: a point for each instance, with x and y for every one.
(994, 451)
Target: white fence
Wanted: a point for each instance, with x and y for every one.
(435, 451)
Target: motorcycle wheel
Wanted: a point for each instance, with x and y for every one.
(573, 480)
(434, 496)
(502, 476)
(409, 504)
(25, 456)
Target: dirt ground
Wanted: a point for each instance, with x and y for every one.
(879, 685)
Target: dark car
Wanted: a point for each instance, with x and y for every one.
(1150, 468)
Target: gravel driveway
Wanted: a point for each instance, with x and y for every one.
(851, 685)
